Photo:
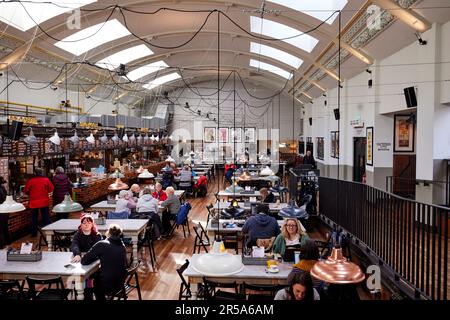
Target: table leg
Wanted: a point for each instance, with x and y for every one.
(49, 238)
(135, 248)
(79, 287)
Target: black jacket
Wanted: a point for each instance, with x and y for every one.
(82, 243)
(113, 261)
(309, 160)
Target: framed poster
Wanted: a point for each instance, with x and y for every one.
(249, 134)
(236, 135)
(209, 134)
(320, 148)
(369, 139)
(403, 133)
(223, 135)
(334, 153)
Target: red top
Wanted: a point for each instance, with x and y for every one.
(38, 188)
(229, 166)
(161, 196)
(201, 181)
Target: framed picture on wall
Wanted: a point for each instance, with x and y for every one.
(223, 135)
(369, 139)
(320, 148)
(403, 133)
(209, 134)
(249, 134)
(236, 135)
(334, 143)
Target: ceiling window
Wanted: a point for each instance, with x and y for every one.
(91, 37)
(277, 30)
(271, 68)
(146, 70)
(123, 57)
(21, 14)
(321, 10)
(273, 53)
(161, 80)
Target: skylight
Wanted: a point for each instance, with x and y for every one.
(273, 53)
(91, 37)
(161, 80)
(270, 68)
(277, 30)
(125, 56)
(146, 70)
(18, 14)
(321, 10)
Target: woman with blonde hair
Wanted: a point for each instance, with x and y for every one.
(291, 234)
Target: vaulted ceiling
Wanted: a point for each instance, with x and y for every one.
(183, 39)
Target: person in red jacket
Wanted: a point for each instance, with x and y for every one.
(38, 189)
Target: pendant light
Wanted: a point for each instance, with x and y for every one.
(91, 138)
(10, 206)
(146, 138)
(245, 176)
(75, 139)
(156, 138)
(125, 137)
(115, 138)
(31, 138)
(55, 139)
(234, 188)
(67, 205)
(132, 138)
(139, 138)
(266, 172)
(118, 185)
(117, 174)
(337, 269)
(293, 211)
(146, 175)
(104, 138)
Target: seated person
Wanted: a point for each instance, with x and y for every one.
(113, 261)
(201, 186)
(300, 287)
(159, 193)
(185, 179)
(86, 236)
(167, 175)
(136, 191)
(260, 225)
(229, 171)
(291, 234)
(149, 206)
(309, 255)
(266, 196)
(172, 205)
(125, 202)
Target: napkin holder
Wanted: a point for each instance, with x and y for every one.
(15, 255)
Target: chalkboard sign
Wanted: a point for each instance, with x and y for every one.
(7, 147)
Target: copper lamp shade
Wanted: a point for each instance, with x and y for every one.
(118, 185)
(337, 270)
(245, 176)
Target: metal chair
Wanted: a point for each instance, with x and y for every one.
(147, 241)
(48, 293)
(264, 292)
(212, 290)
(201, 239)
(131, 283)
(11, 290)
(42, 240)
(210, 212)
(185, 287)
(62, 241)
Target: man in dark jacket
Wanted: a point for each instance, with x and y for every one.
(113, 261)
(309, 159)
(62, 185)
(260, 225)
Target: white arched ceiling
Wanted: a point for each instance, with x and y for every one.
(169, 28)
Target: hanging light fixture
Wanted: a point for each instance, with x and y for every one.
(115, 138)
(234, 188)
(132, 138)
(118, 185)
(337, 269)
(266, 172)
(152, 138)
(293, 211)
(146, 138)
(170, 159)
(245, 176)
(139, 138)
(146, 174)
(55, 139)
(156, 138)
(117, 174)
(75, 139)
(31, 138)
(10, 206)
(91, 139)
(67, 205)
(104, 138)
(125, 137)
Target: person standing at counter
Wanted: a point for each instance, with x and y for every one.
(38, 189)
(62, 186)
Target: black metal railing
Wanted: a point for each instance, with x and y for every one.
(410, 237)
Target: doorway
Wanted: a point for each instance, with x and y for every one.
(359, 159)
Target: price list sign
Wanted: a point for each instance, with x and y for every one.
(7, 146)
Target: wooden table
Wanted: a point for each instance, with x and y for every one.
(253, 274)
(51, 265)
(130, 227)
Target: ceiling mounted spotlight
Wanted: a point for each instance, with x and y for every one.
(369, 83)
(187, 106)
(91, 139)
(121, 72)
(419, 38)
(53, 87)
(199, 112)
(369, 71)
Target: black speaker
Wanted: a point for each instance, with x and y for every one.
(310, 121)
(337, 114)
(410, 97)
(15, 130)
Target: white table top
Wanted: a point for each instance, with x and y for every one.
(128, 225)
(249, 272)
(256, 193)
(52, 263)
(272, 206)
(236, 228)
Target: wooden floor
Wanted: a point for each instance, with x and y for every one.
(164, 283)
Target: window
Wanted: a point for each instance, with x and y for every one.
(161, 80)
(276, 54)
(146, 70)
(321, 10)
(270, 68)
(94, 36)
(125, 56)
(277, 30)
(17, 14)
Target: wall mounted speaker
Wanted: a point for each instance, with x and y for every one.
(310, 121)
(410, 97)
(337, 114)
(15, 130)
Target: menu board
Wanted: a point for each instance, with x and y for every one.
(50, 148)
(7, 146)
